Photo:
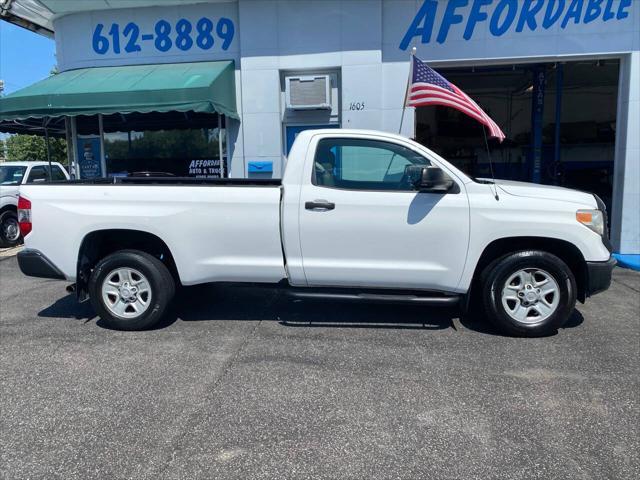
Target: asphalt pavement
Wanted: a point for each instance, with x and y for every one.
(243, 383)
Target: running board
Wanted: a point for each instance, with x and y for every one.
(422, 299)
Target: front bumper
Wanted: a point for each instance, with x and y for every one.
(599, 276)
(34, 264)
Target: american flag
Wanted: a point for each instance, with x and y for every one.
(428, 87)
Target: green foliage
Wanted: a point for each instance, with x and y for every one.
(32, 147)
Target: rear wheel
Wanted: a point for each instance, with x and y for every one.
(130, 290)
(9, 229)
(529, 293)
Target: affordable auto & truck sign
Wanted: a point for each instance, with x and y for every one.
(435, 20)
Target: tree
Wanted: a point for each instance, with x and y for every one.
(32, 147)
(2, 150)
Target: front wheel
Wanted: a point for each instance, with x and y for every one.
(9, 229)
(529, 293)
(130, 290)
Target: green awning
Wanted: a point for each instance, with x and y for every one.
(207, 87)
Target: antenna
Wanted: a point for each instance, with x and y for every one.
(493, 177)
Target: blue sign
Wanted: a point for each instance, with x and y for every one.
(293, 131)
(516, 15)
(89, 158)
(261, 167)
(184, 35)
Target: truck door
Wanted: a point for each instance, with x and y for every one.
(363, 224)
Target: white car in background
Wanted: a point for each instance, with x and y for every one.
(12, 175)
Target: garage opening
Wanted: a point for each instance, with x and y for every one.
(559, 119)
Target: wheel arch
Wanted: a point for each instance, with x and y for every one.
(566, 251)
(9, 207)
(98, 244)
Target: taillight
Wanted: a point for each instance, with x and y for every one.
(24, 215)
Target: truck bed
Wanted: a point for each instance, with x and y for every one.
(224, 233)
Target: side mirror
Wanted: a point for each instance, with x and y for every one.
(430, 179)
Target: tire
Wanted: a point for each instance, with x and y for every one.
(9, 236)
(145, 281)
(518, 310)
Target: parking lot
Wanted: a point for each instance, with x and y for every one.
(241, 383)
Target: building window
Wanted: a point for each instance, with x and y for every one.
(192, 152)
(183, 144)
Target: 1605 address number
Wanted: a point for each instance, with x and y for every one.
(129, 38)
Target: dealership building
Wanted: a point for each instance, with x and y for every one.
(222, 87)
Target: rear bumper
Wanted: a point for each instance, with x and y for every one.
(599, 276)
(34, 264)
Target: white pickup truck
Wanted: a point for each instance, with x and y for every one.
(12, 175)
(358, 215)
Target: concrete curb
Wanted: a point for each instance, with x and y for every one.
(10, 252)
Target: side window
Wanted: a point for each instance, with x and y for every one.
(58, 174)
(37, 175)
(356, 164)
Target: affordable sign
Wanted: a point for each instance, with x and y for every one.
(435, 19)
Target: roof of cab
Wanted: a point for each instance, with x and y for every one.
(352, 131)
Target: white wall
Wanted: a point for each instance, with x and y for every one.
(280, 35)
(362, 39)
(626, 194)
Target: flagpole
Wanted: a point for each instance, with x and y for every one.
(493, 177)
(406, 92)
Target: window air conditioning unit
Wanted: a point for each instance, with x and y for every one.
(311, 92)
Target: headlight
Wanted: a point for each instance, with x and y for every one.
(593, 219)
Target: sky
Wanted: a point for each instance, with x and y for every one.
(25, 57)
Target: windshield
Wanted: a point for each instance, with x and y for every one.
(11, 175)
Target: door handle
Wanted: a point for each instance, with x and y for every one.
(319, 205)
